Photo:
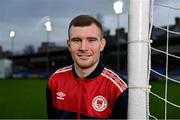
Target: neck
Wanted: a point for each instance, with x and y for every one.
(84, 72)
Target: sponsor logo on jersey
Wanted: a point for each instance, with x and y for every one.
(60, 95)
(99, 103)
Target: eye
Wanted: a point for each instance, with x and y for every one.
(75, 40)
(92, 39)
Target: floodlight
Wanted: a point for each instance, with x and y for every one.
(118, 7)
(48, 25)
(12, 34)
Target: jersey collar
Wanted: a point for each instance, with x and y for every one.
(94, 74)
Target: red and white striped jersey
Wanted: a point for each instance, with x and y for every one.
(94, 96)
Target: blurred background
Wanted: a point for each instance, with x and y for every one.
(33, 36)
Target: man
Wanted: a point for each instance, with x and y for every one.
(86, 89)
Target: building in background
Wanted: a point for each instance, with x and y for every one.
(5, 69)
(33, 64)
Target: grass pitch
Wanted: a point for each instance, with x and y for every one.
(22, 98)
(26, 99)
(157, 106)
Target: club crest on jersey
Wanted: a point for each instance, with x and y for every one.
(99, 103)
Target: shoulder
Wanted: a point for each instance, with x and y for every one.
(60, 73)
(63, 70)
(115, 79)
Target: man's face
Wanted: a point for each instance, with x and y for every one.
(85, 44)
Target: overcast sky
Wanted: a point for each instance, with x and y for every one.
(25, 17)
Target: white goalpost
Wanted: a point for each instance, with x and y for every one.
(138, 62)
(141, 24)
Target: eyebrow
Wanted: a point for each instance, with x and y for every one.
(92, 38)
(74, 38)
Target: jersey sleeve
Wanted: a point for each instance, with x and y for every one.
(50, 90)
(51, 111)
(121, 106)
(118, 95)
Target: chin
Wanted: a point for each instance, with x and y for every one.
(85, 65)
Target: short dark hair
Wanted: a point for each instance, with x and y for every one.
(85, 20)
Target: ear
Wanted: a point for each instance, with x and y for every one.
(68, 45)
(103, 43)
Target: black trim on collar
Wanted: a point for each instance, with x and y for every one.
(94, 74)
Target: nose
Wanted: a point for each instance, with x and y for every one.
(83, 45)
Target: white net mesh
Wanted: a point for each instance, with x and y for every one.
(165, 63)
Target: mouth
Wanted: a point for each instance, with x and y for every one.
(84, 57)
